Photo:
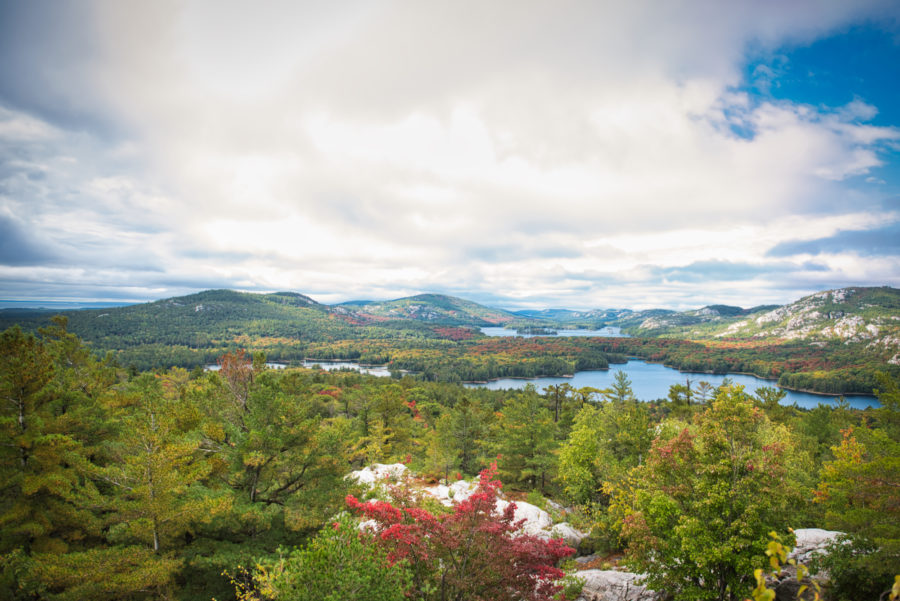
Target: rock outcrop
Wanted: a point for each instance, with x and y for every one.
(536, 521)
(600, 585)
(612, 585)
(378, 472)
(568, 533)
(810, 542)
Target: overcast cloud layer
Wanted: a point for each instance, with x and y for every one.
(578, 154)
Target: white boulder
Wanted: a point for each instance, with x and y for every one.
(568, 533)
(458, 491)
(611, 585)
(537, 521)
(811, 541)
(377, 472)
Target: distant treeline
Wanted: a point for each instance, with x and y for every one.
(196, 333)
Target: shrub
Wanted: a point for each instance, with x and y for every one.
(472, 553)
(340, 563)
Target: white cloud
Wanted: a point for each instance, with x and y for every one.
(557, 153)
(19, 127)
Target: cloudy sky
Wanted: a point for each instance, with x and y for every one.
(520, 154)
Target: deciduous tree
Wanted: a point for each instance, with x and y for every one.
(708, 498)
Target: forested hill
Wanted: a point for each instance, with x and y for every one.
(276, 314)
(195, 319)
(433, 308)
(195, 329)
(833, 341)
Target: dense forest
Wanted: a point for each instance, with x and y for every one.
(438, 338)
(118, 483)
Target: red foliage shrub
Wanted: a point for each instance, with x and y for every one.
(473, 553)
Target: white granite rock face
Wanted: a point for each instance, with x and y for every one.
(378, 472)
(458, 491)
(811, 541)
(611, 585)
(567, 532)
(537, 521)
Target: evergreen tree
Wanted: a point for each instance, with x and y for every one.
(158, 470)
(441, 453)
(620, 390)
(525, 439)
(468, 424)
(859, 491)
(53, 430)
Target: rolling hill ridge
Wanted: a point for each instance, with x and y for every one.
(196, 328)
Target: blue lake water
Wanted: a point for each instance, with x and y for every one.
(606, 332)
(333, 365)
(217, 367)
(327, 366)
(651, 381)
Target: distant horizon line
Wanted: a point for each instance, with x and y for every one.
(70, 304)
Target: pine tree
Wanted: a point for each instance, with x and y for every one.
(525, 440)
(859, 491)
(54, 428)
(158, 470)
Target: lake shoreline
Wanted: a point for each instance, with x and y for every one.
(652, 380)
(362, 367)
(367, 365)
(758, 377)
(774, 383)
(832, 395)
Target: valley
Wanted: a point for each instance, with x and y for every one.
(832, 342)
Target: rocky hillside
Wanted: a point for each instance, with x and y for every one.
(869, 316)
(848, 315)
(431, 308)
(534, 520)
(613, 584)
(660, 322)
(593, 318)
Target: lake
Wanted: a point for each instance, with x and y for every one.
(651, 381)
(217, 367)
(605, 332)
(334, 365)
(326, 365)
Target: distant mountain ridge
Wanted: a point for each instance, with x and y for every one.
(847, 314)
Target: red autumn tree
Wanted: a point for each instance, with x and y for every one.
(473, 553)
